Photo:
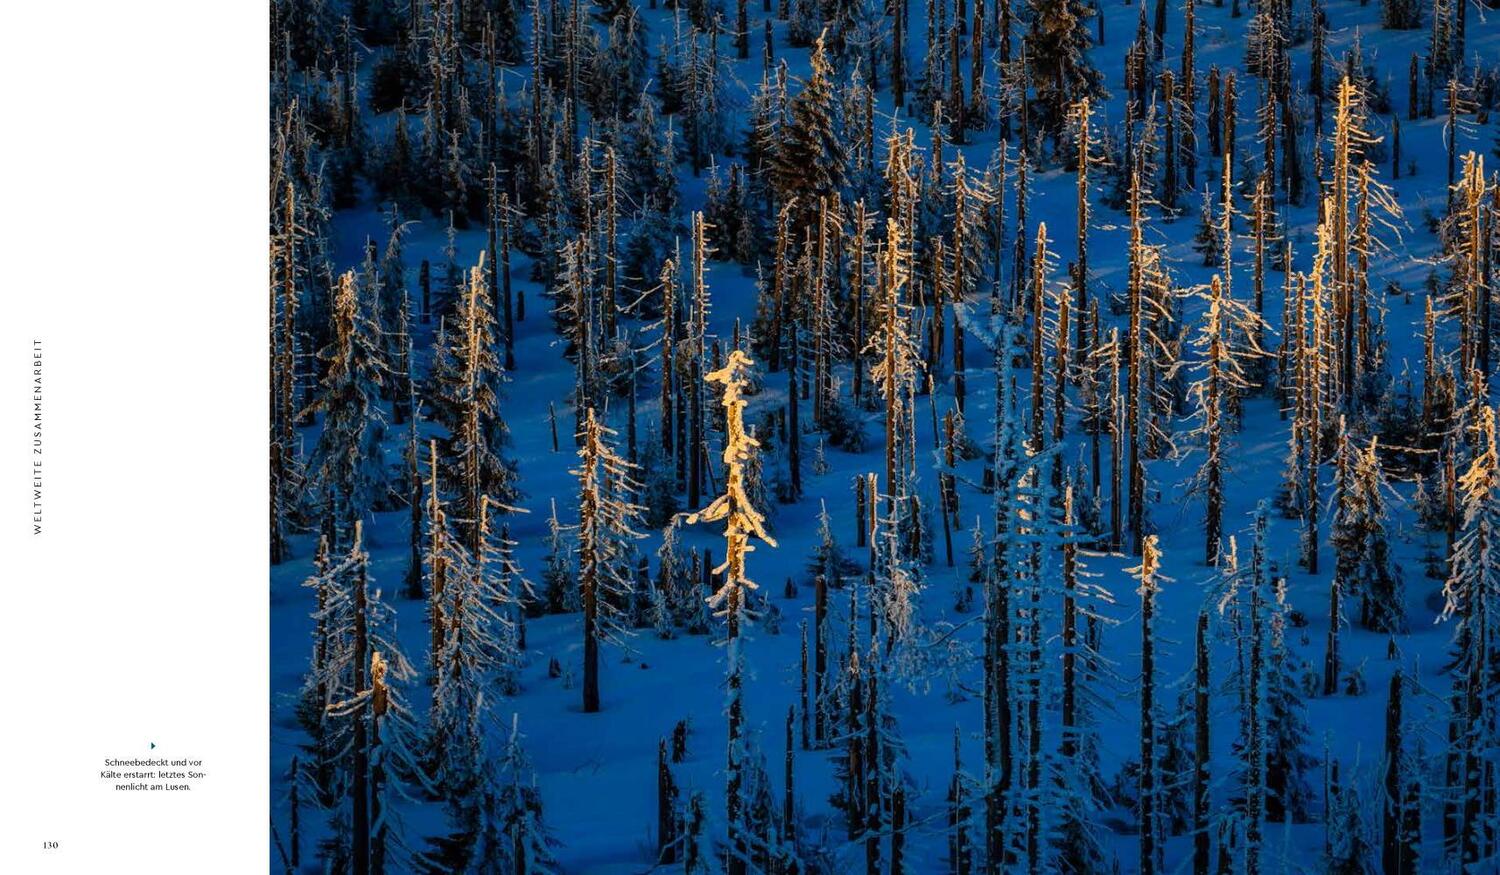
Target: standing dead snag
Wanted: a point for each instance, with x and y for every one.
(1255, 771)
(1012, 464)
(1226, 338)
(741, 521)
(1082, 115)
(1470, 597)
(1201, 768)
(666, 807)
(363, 712)
(284, 305)
(440, 552)
(895, 373)
(1135, 352)
(345, 464)
(1149, 575)
(606, 564)
(970, 196)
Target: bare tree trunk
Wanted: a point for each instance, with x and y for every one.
(1081, 260)
(1391, 845)
(789, 802)
(1201, 751)
(359, 791)
(1331, 657)
(1148, 790)
(666, 807)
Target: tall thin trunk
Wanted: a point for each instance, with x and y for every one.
(359, 791)
(1150, 855)
(1202, 754)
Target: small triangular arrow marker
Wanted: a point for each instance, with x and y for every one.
(153, 745)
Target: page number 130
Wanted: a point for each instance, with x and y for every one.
(49, 846)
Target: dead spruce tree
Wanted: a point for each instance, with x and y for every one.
(285, 301)
(355, 665)
(464, 392)
(606, 555)
(969, 196)
(742, 521)
(1352, 197)
(1079, 846)
(1012, 463)
(1470, 599)
(1225, 338)
(1467, 299)
(1363, 562)
(1147, 354)
(1149, 579)
(479, 659)
(1202, 752)
(1400, 845)
(348, 464)
(1253, 726)
(895, 375)
(1271, 747)
(1083, 141)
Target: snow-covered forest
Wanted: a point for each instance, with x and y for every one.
(884, 436)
